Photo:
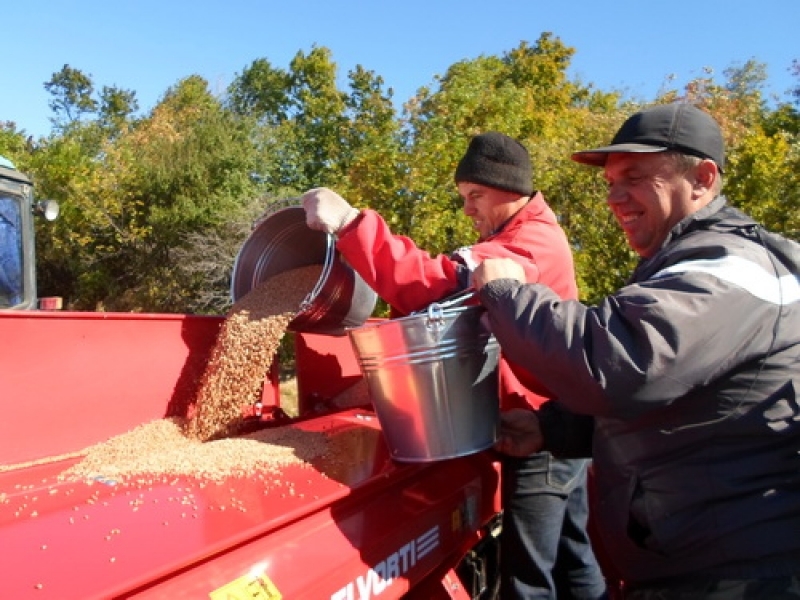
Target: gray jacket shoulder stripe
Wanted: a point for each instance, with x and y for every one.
(745, 274)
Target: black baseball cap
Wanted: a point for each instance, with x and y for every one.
(680, 127)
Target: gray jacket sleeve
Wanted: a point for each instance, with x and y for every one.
(643, 347)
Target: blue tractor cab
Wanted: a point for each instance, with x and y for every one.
(17, 251)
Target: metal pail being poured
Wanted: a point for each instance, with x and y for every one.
(281, 242)
(433, 382)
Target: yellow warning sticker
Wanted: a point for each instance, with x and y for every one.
(249, 587)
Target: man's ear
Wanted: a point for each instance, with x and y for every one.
(705, 174)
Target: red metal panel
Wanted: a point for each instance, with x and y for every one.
(326, 367)
(322, 531)
(69, 380)
(332, 529)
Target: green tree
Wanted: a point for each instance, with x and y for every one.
(61, 169)
(260, 91)
(309, 133)
(82, 113)
(72, 95)
(371, 153)
(525, 94)
(116, 108)
(133, 205)
(154, 208)
(13, 144)
(299, 117)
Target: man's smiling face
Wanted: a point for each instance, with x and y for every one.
(648, 195)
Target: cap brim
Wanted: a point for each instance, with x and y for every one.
(597, 157)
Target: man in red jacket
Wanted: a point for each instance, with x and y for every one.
(545, 549)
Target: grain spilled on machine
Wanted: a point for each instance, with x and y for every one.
(203, 444)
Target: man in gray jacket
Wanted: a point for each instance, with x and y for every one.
(686, 380)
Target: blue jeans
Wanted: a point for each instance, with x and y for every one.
(545, 550)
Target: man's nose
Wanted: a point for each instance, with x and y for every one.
(616, 193)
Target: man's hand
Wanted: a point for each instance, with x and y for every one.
(519, 433)
(326, 210)
(497, 268)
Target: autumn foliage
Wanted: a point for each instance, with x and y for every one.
(156, 204)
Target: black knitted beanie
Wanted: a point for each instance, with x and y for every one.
(496, 160)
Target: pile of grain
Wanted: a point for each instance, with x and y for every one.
(200, 446)
(161, 449)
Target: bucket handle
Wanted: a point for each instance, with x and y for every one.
(448, 302)
(435, 311)
(330, 252)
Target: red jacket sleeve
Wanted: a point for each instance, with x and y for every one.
(404, 275)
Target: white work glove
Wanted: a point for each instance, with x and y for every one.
(327, 211)
(497, 268)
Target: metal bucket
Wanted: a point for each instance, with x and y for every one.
(281, 242)
(433, 382)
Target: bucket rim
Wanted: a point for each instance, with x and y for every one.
(246, 278)
(419, 316)
(281, 241)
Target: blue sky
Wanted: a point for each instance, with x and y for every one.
(147, 46)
